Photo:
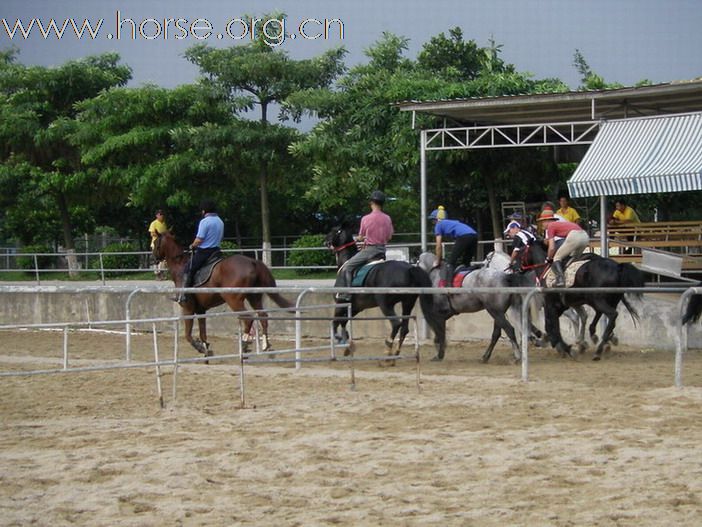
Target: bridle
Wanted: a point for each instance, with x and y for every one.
(524, 267)
(157, 247)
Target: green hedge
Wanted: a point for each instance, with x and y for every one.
(308, 258)
(44, 262)
(117, 261)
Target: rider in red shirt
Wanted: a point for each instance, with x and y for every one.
(576, 241)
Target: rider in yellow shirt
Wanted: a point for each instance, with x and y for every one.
(567, 212)
(156, 227)
(623, 214)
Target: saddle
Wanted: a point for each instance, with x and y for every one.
(359, 277)
(460, 274)
(571, 268)
(203, 274)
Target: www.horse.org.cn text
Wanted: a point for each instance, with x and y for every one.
(275, 31)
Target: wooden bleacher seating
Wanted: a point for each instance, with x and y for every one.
(679, 237)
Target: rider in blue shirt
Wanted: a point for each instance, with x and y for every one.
(465, 243)
(210, 232)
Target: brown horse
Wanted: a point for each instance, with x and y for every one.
(233, 271)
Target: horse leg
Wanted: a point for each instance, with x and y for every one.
(553, 310)
(236, 303)
(195, 343)
(407, 306)
(202, 329)
(341, 335)
(440, 342)
(256, 302)
(496, 332)
(580, 321)
(501, 323)
(593, 326)
(388, 310)
(610, 311)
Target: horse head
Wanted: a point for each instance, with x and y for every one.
(339, 237)
(165, 247)
(426, 261)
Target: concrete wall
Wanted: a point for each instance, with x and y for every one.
(656, 329)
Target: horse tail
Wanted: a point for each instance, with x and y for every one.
(630, 276)
(694, 310)
(419, 278)
(264, 278)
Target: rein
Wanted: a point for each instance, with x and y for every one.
(342, 247)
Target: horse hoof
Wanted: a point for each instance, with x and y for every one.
(595, 339)
(388, 344)
(613, 340)
(484, 360)
(350, 347)
(596, 357)
(436, 358)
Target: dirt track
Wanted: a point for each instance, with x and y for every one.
(583, 443)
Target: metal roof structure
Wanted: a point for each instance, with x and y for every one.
(552, 119)
(641, 156)
(619, 103)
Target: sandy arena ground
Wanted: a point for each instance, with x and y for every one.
(583, 443)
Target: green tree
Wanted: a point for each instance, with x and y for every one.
(363, 141)
(262, 75)
(37, 159)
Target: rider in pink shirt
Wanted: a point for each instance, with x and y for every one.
(376, 230)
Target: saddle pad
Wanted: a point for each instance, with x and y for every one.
(203, 274)
(360, 277)
(550, 278)
(458, 278)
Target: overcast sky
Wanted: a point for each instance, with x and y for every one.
(622, 40)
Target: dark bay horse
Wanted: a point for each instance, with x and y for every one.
(233, 271)
(390, 273)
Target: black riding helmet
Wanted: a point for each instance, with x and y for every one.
(208, 206)
(377, 197)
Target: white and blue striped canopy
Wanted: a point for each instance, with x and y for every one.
(641, 156)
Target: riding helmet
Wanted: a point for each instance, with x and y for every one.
(208, 206)
(438, 214)
(377, 197)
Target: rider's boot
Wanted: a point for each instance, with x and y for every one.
(446, 276)
(557, 267)
(182, 297)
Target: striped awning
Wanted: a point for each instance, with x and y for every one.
(641, 156)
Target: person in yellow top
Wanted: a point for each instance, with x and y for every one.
(623, 214)
(567, 212)
(156, 227)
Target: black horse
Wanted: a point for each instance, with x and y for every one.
(694, 309)
(391, 273)
(594, 271)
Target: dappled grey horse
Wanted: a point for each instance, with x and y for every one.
(496, 304)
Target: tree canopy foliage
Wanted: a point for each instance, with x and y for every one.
(79, 149)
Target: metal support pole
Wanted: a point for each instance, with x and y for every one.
(423, 188)
(241, 367)
(604, 246)
(525, 332)
(65, 347)
(157, 360)
(681, 341)
(176, 352)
